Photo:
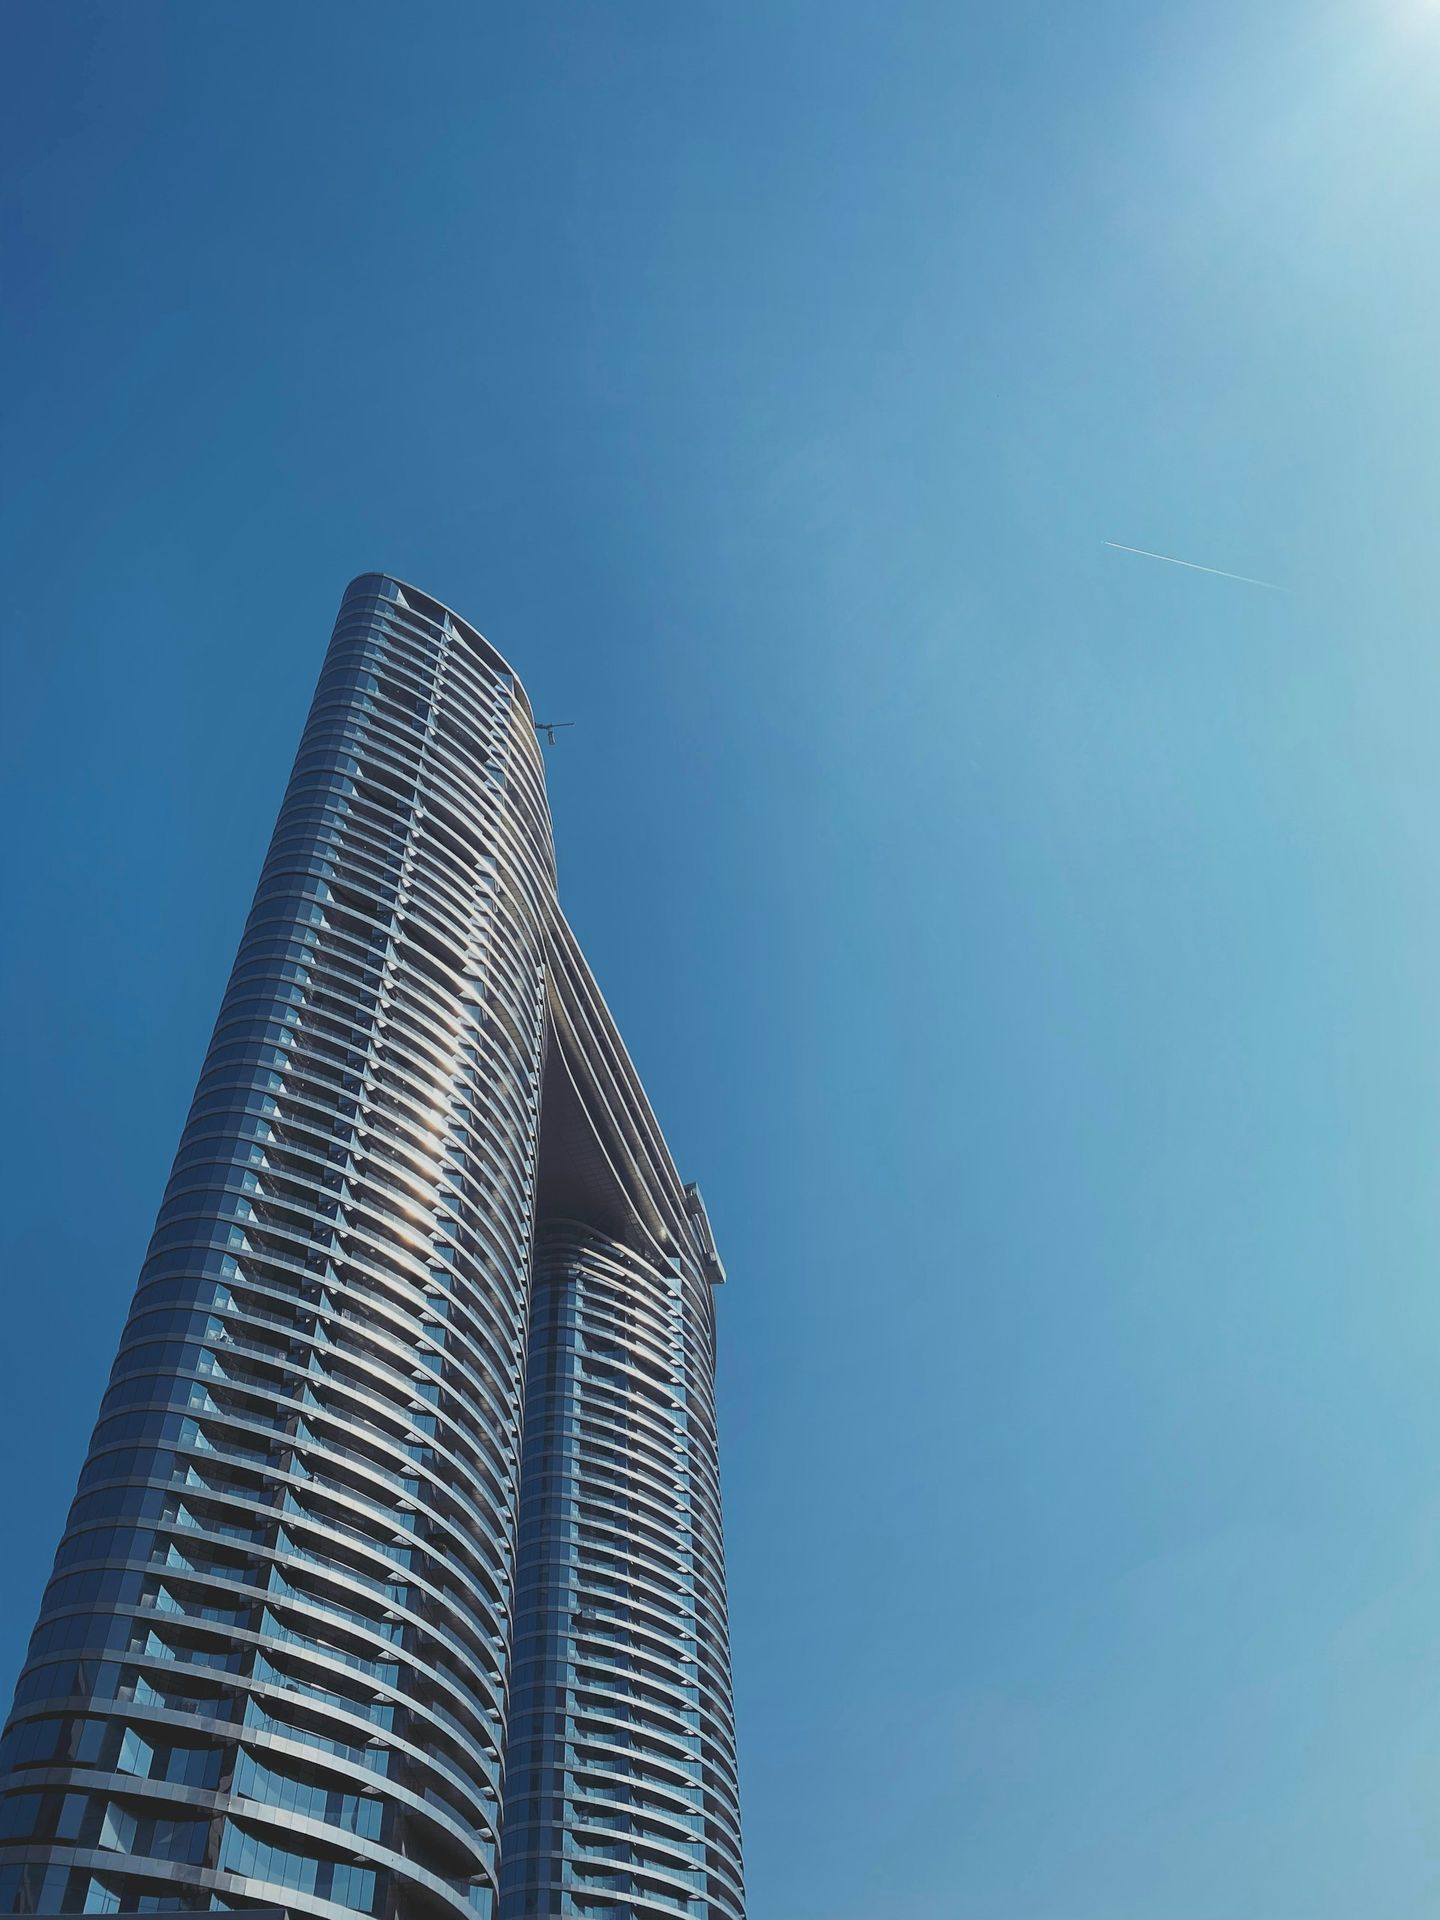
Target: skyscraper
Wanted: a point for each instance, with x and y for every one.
(394, 1582)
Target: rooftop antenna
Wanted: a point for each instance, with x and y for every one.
(550, 727)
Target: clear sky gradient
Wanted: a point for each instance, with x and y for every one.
(1032, 948)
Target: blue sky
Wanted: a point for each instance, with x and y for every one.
(1031, 948)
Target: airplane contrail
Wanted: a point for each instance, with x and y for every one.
(1245, 580)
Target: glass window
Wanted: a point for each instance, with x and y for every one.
(117, 1828)
(18, 1814)
(72, 1814)
(136, 1755)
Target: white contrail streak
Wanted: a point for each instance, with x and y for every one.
(1270, 586)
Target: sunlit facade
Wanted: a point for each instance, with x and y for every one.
(394, 1582)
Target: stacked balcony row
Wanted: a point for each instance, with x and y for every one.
(270, 1668)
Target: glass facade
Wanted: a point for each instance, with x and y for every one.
(394, 1583)
(621, 1766)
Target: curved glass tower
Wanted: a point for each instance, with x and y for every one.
(394, 1582)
